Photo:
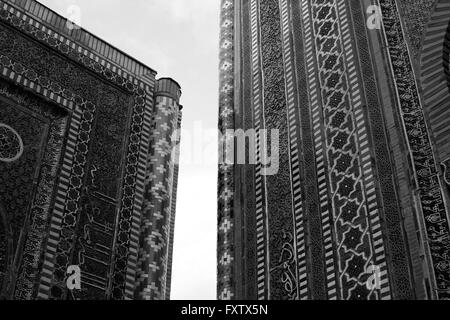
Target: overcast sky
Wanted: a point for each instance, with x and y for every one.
(179, 39)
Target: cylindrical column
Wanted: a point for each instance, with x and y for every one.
(156, 237)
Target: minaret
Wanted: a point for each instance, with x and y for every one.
(156, 242)
(176, 169)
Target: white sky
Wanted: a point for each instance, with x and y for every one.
(179, 39)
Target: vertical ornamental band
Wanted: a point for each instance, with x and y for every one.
(225, 252)
(155, 238)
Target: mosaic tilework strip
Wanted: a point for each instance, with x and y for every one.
(366, 162)
(416, 14)
(260, 190)
(348, 188)
(314, 98)
(294, 128)
(225, 283)
(315, 265)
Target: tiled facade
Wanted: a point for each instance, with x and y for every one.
(359, 208)
(80, 122)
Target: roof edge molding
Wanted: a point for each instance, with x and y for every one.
(55, 21)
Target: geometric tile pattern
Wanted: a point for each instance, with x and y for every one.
(280, 218)
(261, 225)
(344, 155)
(226, 171)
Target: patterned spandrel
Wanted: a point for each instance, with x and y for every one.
(415, 16)
(11, 144)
